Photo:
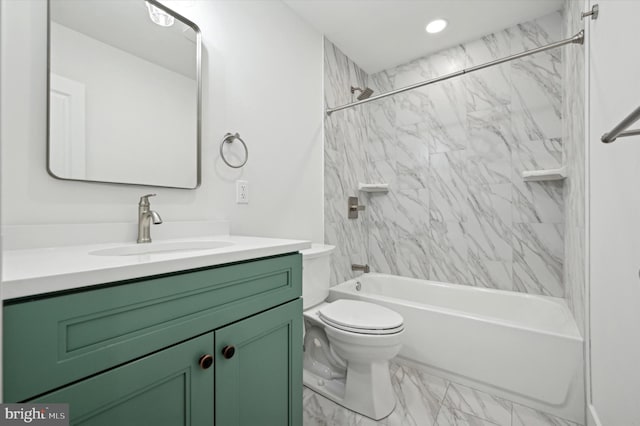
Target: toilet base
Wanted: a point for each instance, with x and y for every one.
(362, 403)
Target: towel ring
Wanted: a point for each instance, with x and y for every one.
(229, 138)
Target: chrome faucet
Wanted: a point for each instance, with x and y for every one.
(145, 216)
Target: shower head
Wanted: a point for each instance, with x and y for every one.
(364, 93)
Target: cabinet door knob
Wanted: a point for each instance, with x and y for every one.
(206, 361)
(228, 351)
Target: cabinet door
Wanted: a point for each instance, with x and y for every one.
(166, 388)
(261, 382)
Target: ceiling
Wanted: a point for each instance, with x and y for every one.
(381, 34)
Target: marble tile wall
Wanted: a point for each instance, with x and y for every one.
(345, 164)
(453, 153)
(573, 135)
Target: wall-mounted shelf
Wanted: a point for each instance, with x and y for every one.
(544, 175)
(373, 187)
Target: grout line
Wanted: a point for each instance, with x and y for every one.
(512, 410)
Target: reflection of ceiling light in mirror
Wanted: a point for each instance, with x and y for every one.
(436, 26)
(159, 16)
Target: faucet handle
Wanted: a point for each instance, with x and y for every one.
(144, 200)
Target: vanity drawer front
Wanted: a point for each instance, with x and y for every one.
(57, 340)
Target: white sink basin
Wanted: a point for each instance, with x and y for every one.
(161, 247)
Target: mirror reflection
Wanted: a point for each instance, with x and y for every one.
(123, 93)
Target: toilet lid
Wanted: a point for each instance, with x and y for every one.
(361, 317)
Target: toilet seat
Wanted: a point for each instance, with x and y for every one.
(361, 317)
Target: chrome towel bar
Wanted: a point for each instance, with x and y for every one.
(620, 130)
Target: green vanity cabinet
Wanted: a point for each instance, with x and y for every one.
(138, 353)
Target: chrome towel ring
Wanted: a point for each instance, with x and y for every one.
(229, 138)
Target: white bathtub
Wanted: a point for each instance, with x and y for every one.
(524, 347)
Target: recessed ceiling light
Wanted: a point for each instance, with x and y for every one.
(436, 26)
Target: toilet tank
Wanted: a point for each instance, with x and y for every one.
(316, 271)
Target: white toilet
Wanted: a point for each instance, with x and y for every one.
(347, 343)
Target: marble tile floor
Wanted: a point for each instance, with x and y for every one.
(427, 400)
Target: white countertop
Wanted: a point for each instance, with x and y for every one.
(28, 272)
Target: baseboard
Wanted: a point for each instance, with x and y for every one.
(592, 416)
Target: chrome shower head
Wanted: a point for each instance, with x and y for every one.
(364, 93)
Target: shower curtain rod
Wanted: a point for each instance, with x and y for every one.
(576, 39)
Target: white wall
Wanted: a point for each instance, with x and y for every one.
(262, 70)
(614, 216)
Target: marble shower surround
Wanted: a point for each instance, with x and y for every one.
(458, 210)
(573, 135)
(345, 164)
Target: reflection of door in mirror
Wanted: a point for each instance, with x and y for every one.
(123, 94)
(67, 127)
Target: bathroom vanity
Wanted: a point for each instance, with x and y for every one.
(216, 342)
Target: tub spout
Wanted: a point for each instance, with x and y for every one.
(364, 268)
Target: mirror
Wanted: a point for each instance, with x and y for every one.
(124, 93)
